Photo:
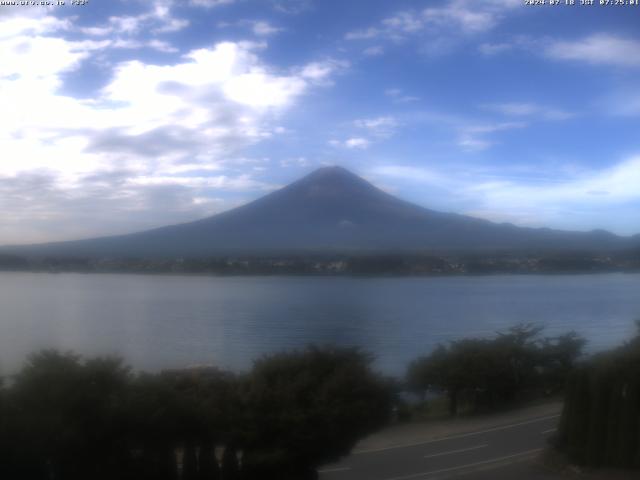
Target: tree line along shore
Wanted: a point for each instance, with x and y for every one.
(66, 417)
(342, 264)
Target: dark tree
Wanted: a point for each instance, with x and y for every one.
(69, 416)
(600, 423)
(493, 372)
(307, 408)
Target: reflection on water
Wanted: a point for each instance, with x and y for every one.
(156, 322)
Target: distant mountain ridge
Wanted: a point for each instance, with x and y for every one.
(331, 209)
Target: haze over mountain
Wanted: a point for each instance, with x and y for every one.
(330, 209)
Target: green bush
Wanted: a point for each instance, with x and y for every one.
(487, 373)
(600, 425)
(68, 418)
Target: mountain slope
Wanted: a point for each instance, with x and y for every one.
(330, 209)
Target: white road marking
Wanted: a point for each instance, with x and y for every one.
(544, 432)
(469, 465)
(454, 437)
(451, 452)
(332, 470)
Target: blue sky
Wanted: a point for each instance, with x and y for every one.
(126, 115)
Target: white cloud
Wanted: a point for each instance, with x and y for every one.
(374, 51)
(172, 25)
(96, 31)
(215, 95)
(210, 3)
(133, 44)
(614, 185)
(128, 24)
(405, 22)
(469, 19)
(604, 49)
(36, 209)
(474, 137)
(357, 142)
(624, 103)
(260, 28)
(263, 28)
(598, 49)
(380, 127)
(15, 25)
(367, 131)
(473, 143)
(398, 96)
(494, 127)
(561, 200)
(321, 71)
(412, 173)
(303, 162)
(494, 48)
(351, 143)
(292, 7)
(158, 144)
(363, 34)
(453, 16)
(225, 182)
(157, 20)
(377, 122)
(524, 109)
(42, 64)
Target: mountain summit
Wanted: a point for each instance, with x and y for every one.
(331, 209)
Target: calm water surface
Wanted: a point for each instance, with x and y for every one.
(158, 322)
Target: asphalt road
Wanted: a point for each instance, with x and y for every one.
(496, 452)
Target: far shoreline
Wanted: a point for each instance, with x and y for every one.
(325, 275)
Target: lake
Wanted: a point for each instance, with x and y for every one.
(157, 322)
